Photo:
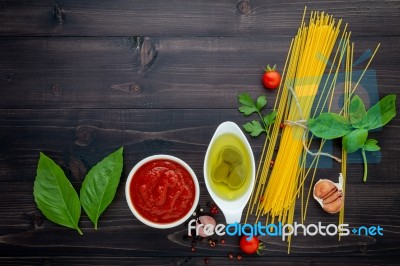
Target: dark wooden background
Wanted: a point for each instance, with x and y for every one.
(81, 78)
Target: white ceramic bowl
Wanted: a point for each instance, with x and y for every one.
(232, 209)
(143, 219)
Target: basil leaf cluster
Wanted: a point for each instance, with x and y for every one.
(354, 129)
(59, 201)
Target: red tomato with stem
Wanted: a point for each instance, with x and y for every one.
(250, 246)
(271, 78)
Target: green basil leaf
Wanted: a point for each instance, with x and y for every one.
(357, 111)
(269, 119)
(381, 113)
(254, 128)
(54, 194)
(371, 145)
(248, 106)
(329, 126)
(261, 102)
(100, 184)
(355, 140)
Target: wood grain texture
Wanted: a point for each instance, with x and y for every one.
(81, 78)
(183, 18)
(164, 73)
(120, 234)
(77, 139)
(189, 261)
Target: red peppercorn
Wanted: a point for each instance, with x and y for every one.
(214, 208)
(230, 256)
(282, 125)
(222, 241)
(239, 257)
(271, 164)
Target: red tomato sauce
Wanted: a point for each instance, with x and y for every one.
(162, 191)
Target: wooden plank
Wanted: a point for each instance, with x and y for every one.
(155, 72)
(182, 18)
(25, 231)
(77, 139)
(200, 260)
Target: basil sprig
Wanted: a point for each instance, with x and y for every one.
(60, 203)
(354, 130)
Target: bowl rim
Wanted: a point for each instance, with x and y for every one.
(162, 157)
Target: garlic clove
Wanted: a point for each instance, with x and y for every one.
(334, 206)
(333, 197)
(202, 221)
(324, 188)
(329, 194)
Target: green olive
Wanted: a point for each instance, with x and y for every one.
(237, 177)
(231, 155)
(220, 172)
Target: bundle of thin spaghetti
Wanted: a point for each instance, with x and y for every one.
(306, 64)
(300, 92)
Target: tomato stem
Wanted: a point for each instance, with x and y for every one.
(270, 69)
(260, 248)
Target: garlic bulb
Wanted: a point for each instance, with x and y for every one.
(329, 194)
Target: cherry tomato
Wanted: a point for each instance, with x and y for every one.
(250, 246)
(271, 78)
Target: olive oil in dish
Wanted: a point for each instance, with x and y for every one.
(229, 167)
